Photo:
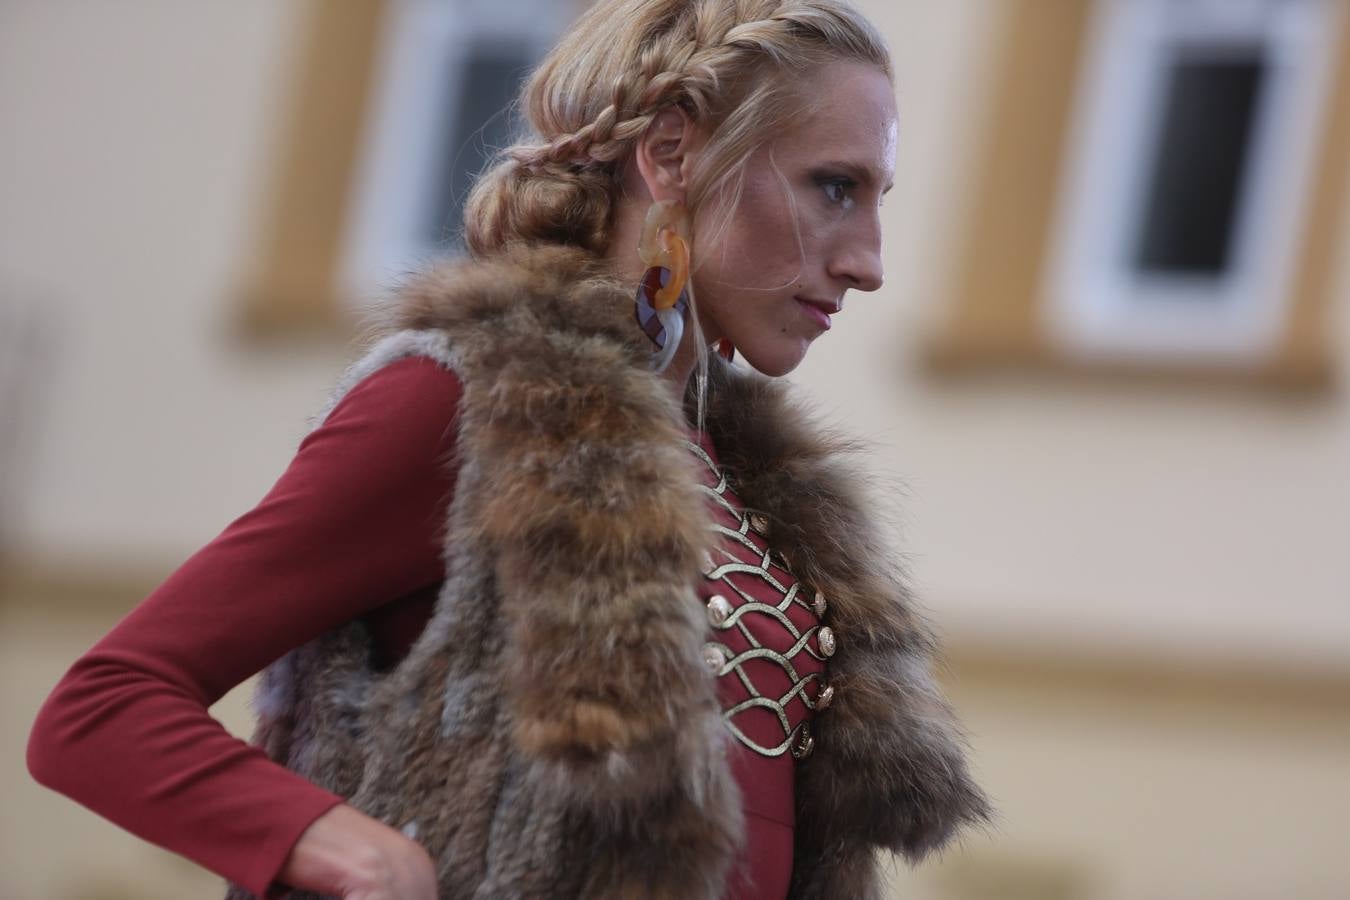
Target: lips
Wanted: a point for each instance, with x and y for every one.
(819, 310)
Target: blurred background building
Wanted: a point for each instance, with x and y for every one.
(1107, 376)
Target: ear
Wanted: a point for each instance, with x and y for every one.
(665, 152)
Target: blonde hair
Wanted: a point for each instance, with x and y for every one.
(735, 66)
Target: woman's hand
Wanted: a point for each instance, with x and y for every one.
(350, 855)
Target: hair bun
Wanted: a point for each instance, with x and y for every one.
(526, 198)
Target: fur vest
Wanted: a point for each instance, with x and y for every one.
(555, 731)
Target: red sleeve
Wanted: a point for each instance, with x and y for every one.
(352, 524)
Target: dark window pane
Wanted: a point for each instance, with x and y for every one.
(1194, 191)
(476, 125)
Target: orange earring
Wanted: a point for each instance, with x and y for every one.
(662, 295)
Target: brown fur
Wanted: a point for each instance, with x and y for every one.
(554, 731)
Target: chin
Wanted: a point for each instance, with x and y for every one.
(772, 363)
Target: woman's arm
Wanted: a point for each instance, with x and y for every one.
(354, 523)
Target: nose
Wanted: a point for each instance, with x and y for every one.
(857, 261)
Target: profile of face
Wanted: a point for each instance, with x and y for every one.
(807, 228)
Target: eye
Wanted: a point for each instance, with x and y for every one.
(838, 189)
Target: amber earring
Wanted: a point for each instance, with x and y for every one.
(662, 295)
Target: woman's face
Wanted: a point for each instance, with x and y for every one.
(807, 228)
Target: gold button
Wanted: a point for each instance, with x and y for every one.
(715, 658)
(819, 605)
(804, 743)
(719, 608)
(826, 638)
(825, 696)
(760, 523)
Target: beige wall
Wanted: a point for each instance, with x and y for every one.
(136, 140)
(1179, 519)
(1136, 788)
(1180, 528)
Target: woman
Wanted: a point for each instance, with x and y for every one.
(568, 606)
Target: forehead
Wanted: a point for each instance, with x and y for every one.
(850, 114)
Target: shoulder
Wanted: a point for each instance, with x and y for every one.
(407, 406)
(385, 369)
(408, 382)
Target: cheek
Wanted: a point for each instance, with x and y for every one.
(764, 242)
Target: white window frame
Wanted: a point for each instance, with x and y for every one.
(1096, 304)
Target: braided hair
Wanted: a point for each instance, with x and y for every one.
(735, 66)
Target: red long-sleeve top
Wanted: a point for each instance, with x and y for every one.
(353, 528)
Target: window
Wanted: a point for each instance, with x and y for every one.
(1187, 179)
(1194, 187)
(1161, 183)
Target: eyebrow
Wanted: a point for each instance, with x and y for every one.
(858, 172)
